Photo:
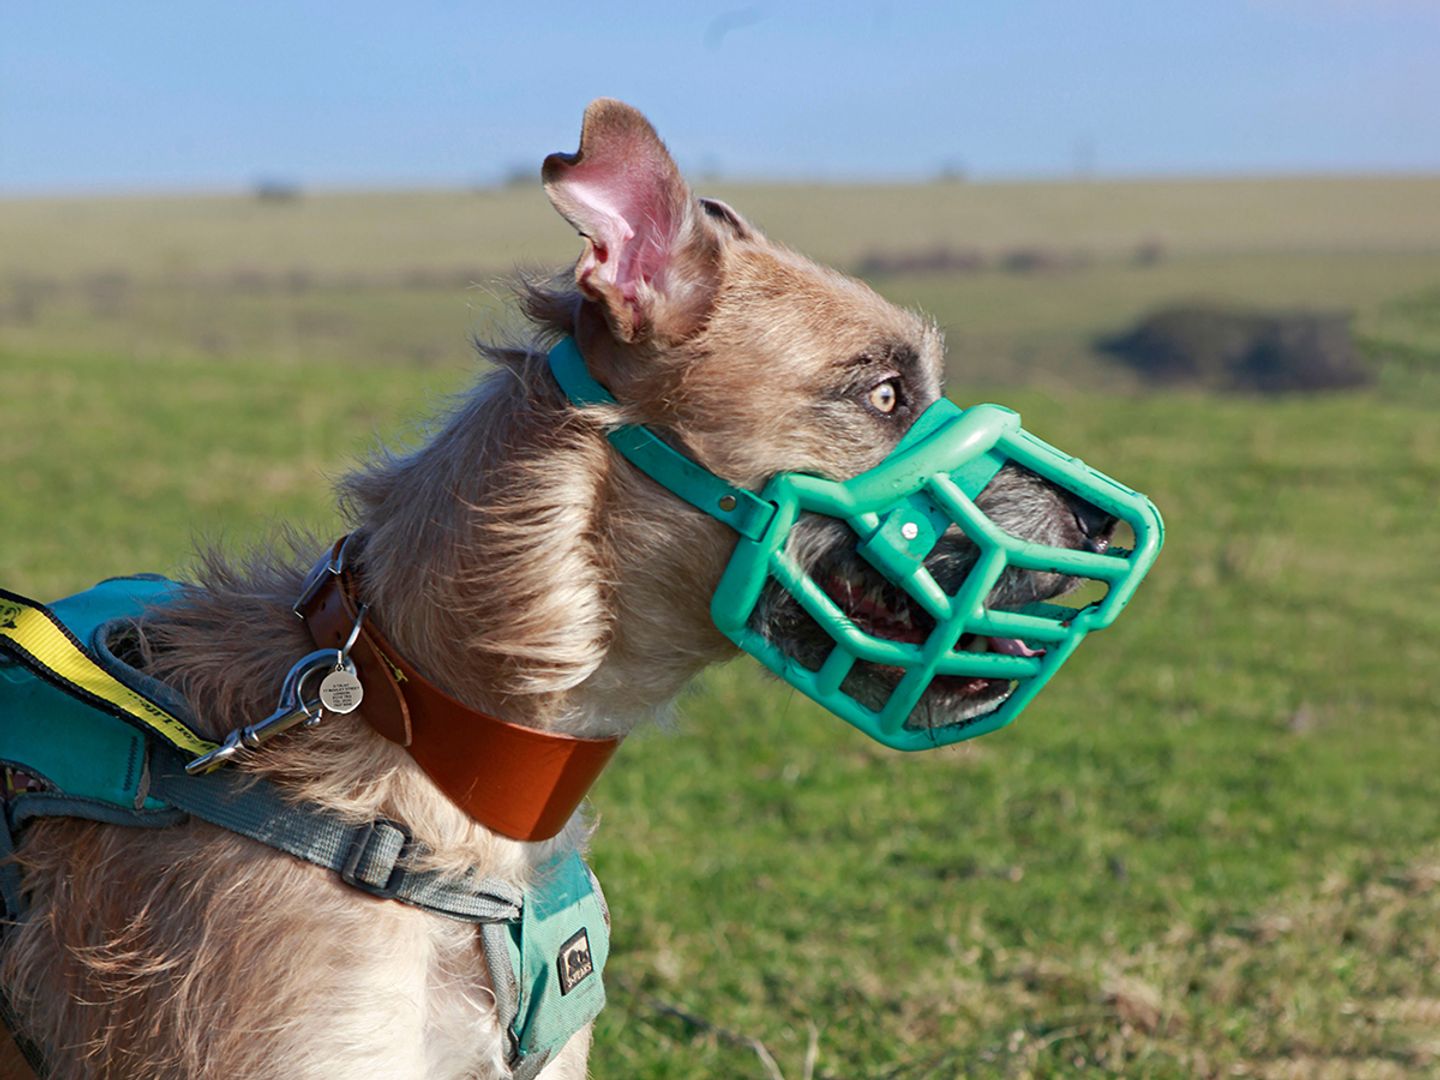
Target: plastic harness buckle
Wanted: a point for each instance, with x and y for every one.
(375, 862)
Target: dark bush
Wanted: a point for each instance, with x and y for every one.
(942, 259)
(1149, 252)
(1239, 349)
(1039, 260)
(108, 293)
(276, 190)
(26, 296)
(935, 260)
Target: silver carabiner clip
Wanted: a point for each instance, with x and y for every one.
(294, 707)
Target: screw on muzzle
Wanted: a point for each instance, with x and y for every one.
(898, 511)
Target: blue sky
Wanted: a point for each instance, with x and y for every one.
(139, 96)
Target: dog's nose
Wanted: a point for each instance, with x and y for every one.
(1096, 525)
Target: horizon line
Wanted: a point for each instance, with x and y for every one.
(302, 190)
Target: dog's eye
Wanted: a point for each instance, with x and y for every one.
(883, 397)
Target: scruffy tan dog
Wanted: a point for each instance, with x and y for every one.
(525, 567)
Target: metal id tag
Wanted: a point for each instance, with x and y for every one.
(341, 692)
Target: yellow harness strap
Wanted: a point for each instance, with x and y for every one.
(38, 639)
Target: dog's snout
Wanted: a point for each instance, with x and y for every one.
(1096, 526)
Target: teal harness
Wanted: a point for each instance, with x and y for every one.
(545, 947)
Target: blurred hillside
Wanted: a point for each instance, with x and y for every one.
(1046, 268)
(331, 233)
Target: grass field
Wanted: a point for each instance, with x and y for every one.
(1209, 849)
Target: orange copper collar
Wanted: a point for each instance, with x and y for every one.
(518, 781)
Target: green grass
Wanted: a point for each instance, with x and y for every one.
(1208, 849)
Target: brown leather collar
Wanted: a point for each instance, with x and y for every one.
(518, 781)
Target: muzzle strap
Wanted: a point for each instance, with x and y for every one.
(742, 510)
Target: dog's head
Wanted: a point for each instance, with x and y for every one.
(755, 361)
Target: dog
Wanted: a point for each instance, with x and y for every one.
(529, 570)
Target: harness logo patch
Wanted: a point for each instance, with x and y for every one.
(8, 614)
(574, 964)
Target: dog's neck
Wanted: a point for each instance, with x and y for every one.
(516, 562)
(531, 574)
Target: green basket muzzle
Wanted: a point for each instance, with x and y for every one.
(899, 511)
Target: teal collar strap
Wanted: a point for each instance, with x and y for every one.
(742, 510)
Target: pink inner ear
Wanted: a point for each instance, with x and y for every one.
(628, 219)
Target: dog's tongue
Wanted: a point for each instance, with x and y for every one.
(1013, 647)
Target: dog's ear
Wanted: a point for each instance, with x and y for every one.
(650, 253)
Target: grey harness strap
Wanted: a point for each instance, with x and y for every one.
(371, 856)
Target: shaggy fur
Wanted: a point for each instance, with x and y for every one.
(525, 568)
